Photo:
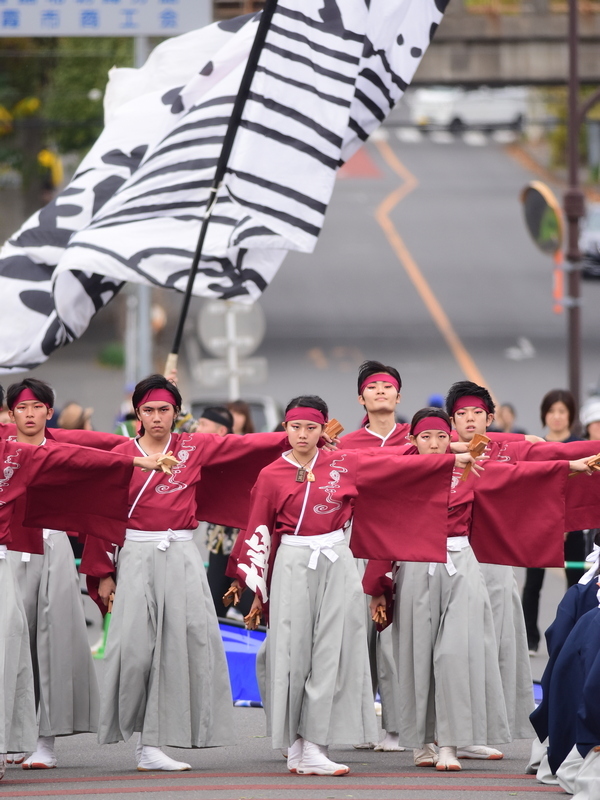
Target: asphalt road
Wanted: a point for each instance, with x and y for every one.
(443, 282)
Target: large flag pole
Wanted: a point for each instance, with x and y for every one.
(232, 127)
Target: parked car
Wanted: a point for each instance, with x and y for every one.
(589, 242)
(455, 108)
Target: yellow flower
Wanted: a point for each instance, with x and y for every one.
(50, 160)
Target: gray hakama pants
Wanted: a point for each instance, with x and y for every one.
(18, 725)
(166, 671)
(66, 687)
(447, 656)
(387, 677)
(513, 653)
(318, 671)
(384, 676)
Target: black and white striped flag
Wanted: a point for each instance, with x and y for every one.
(329, 73)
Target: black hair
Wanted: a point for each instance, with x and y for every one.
(432, 411)
(155, 382)
(558, 396)
(220, 415)
(308, 401)
(468, 388)
(40, 389)
(368, 368)
(1, 396)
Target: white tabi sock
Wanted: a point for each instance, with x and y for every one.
(153, 758)
(315, 762)
(389, 744)
(44, 757)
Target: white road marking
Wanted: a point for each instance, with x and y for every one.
(409, 135)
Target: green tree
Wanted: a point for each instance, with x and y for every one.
(51, 94)
(73, 103)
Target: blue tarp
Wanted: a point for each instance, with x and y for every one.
(241, 647)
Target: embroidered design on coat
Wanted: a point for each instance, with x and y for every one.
(331, 504)
(259, 547)
(11, 466)
(173, 485)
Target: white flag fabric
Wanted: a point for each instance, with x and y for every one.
(329, 73)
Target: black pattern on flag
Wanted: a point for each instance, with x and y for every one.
(328, 75)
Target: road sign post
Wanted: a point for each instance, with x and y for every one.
(231, 331)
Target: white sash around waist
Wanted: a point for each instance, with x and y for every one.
(3, 549)
(453, 545)
(323, 543)
(164, 538)
(46, 533)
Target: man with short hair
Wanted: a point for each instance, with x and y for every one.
(379, 393)
(379, 388)
(166, 673)
(471, 409)
(62, 486)
(66, 687)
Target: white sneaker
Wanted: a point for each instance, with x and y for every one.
(315, 762)
(153, 758)
(2, 765)
(15, 758)
(389, 744)
(44, 756)
(447, 760)
(479, 751)
(426, 756)
(138, 749)
(294, 754)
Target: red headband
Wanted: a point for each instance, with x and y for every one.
(306, 413)
(158, 395)
(431, 424)
(27, 394)
(380, 376)
(470, 401)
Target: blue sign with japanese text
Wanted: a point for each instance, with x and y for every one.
(102, 17)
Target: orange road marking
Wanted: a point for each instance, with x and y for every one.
(439, 316)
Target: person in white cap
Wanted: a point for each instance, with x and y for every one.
(590, 417)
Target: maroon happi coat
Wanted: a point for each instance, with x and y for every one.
(363, 438)
(371, 487)
(62, 487)
(96, 439)
(212, 482)
(582, 494)
(514, 514)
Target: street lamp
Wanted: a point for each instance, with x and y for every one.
(574, 204)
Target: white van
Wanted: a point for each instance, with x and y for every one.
(455, 108)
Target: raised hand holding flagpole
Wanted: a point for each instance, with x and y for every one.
(232, 128)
